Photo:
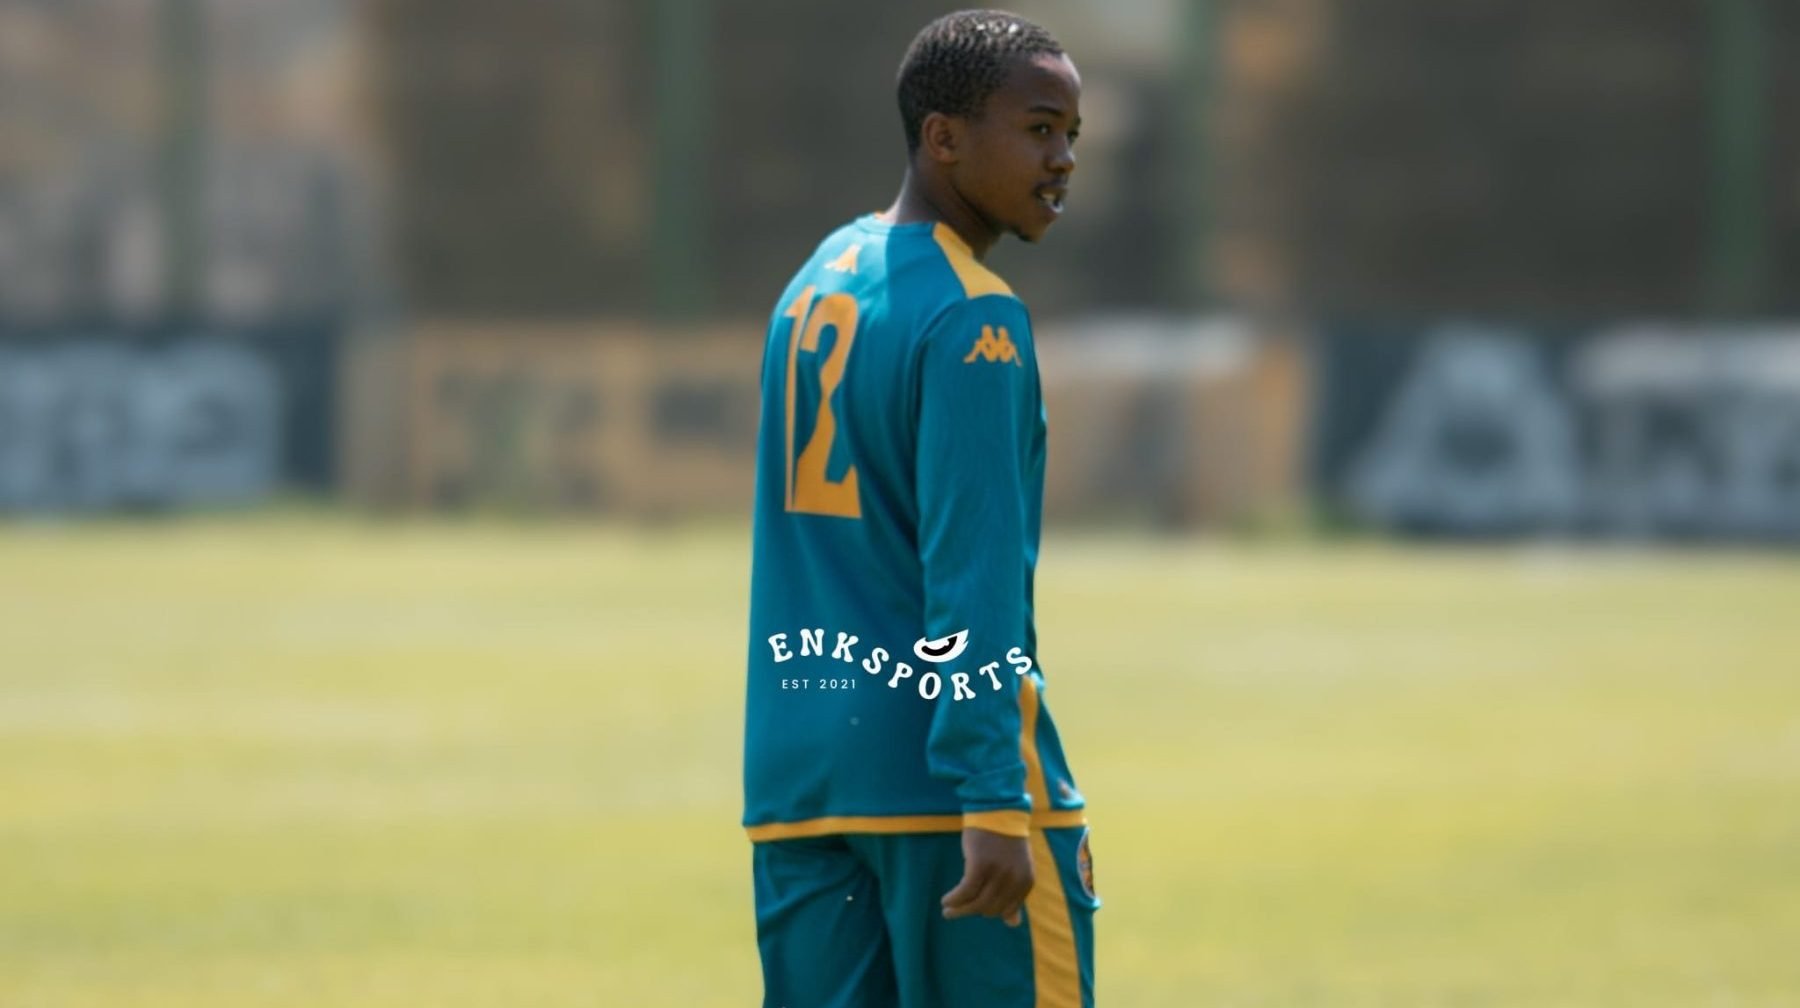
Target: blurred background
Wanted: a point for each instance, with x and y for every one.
(378, 390)
(1473, 269)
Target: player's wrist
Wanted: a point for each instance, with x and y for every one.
(1006, 822)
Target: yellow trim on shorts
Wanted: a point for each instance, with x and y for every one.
(1055, 970)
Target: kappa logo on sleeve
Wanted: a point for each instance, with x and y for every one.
(994, 345)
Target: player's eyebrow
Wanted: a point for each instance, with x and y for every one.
(1055, 110)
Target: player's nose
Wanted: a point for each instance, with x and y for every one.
(1062, 159)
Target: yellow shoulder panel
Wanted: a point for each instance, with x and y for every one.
(976, 278)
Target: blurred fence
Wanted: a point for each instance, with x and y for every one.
(452, 254)
(553, 417)
(1150, 419)
(1458, 428)
(1634, 430)
(149, 418)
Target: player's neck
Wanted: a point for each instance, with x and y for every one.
(934, 199)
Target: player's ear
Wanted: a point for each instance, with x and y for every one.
(941, 137)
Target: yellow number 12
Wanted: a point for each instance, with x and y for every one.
(807, 488)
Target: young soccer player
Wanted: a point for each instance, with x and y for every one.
(918, 838)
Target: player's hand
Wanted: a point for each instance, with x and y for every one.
(997, 876)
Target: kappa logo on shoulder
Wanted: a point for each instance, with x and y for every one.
(994, 345)
(845, 263)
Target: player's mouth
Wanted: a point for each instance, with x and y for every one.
(1051, 197)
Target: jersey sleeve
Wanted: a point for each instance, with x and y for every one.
(978, 389)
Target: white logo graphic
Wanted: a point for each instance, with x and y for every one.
(929, 682)
(943, 649)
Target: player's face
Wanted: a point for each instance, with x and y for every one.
(1021, 148)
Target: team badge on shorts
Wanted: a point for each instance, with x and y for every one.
(1084, 866)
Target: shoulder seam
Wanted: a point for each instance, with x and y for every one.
(976, 280)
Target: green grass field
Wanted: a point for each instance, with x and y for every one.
(319, 761)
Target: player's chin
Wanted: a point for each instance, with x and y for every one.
(1035, 220)
(1032, 231)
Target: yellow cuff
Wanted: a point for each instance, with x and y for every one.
(1006, 822)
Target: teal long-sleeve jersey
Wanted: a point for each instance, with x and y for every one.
(893, 680)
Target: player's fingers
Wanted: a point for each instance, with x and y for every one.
(997, 899)
(1014, 895)
(973, 905)
(984, 892)
(1001, 895)
(1012, 899)
(965, 891)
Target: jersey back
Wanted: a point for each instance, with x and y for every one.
(892, 681)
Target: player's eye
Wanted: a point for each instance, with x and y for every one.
(943, 649)
(1074, 135)
(1041, 129)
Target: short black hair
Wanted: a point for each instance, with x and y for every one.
(957, 61)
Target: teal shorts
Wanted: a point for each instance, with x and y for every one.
(854, 921)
